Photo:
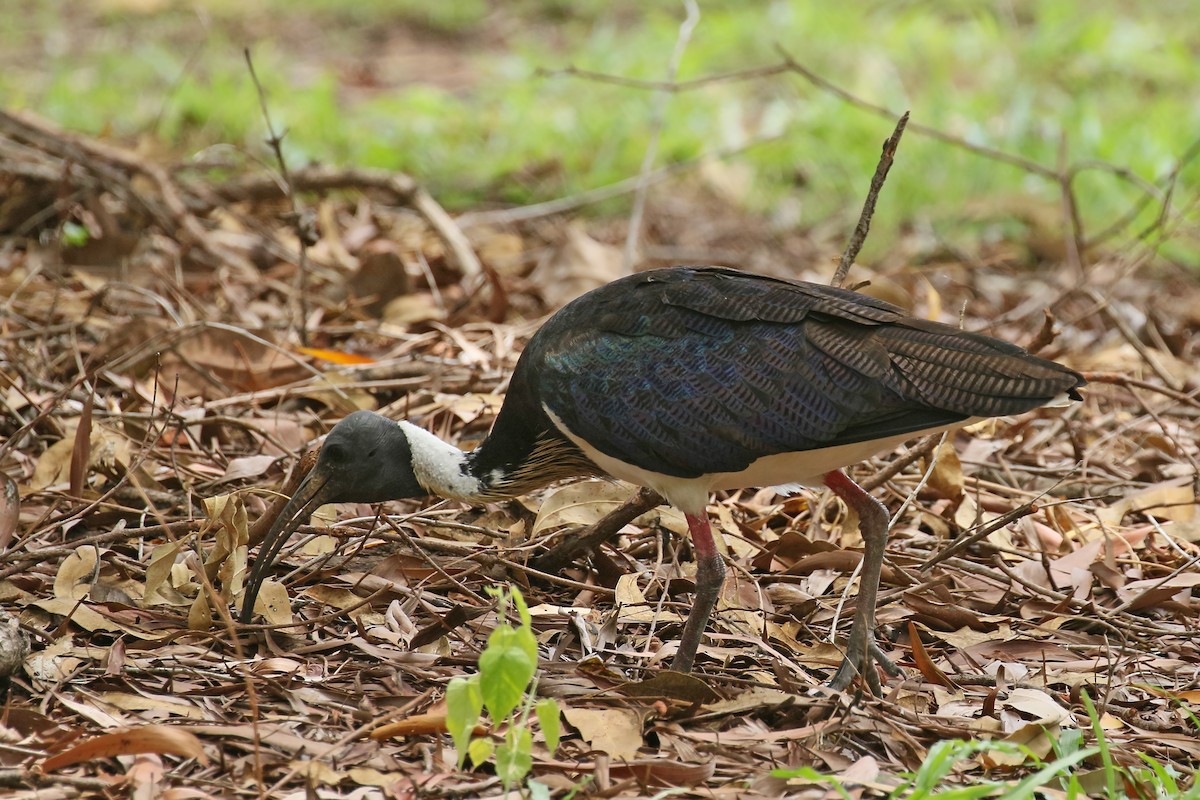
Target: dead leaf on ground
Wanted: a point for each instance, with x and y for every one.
(143, 739)
(615, 731)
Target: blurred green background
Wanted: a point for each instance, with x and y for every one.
(462, 94)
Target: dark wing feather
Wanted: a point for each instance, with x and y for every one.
(698, 370)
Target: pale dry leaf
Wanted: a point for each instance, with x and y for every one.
(76, 573)
(580, 503)
(1037, 706)
(53, 466)
(83, 615)
(127, 701)
(158, 574)
(757, 699)
(228, 520)
(628, 593)
(247, 467)
(946, 476)
(319, 546)
(412, 309)
(471, 407)
(273, 603)
(365, 776)
(146, 777)
(615, 731)
(579, 264)
(317, 773)
(200, 615)
(1038, 739)
(340, 392)
(1172, 500)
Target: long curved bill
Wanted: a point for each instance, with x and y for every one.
(312, 493)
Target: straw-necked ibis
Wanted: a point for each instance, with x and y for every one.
(693, 379)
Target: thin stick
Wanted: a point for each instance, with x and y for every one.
(303, 235)
(886, 157)
(657, 114)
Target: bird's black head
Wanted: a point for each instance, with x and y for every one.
(366, 458)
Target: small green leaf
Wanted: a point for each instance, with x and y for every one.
(538, 791)
(464, 702)
(514, 757)
(547, 714)
(810, 774)
(522, 609)
(481, 750)
(74, 234)
(505, 669)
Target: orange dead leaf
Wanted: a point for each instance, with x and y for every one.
(81, 452)
(335, 356)
(419, 725)
(924, 662)
(146, 739)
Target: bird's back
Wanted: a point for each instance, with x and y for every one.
(700, 370)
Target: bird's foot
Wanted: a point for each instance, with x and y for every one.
(864, 665)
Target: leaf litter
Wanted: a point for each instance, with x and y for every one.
(155, 405)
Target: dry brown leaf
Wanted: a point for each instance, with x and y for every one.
(76, 574)
(53, 465)
(127, 701)
(341, 393)
(1172, 500)
(1037, 706)
(334, 597)
(159, 571)
(616, 731)
(1033, 736)
(365, 776)
(144, 739)
(924, 662)
(248, 467)
(579, 264)
(582, 503)
(273, 603)
(81, 450)
(317, 773)
(10, 510)
(946, 476)
(670, 685)
(411, 309)
(663, 772)
(146, 777)
(954, 617)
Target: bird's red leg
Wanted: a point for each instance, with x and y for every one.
(861, 649)
(710, 574)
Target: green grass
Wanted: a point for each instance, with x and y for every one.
(1115, 84)
(951, 771)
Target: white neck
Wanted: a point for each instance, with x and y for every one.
(440, 467)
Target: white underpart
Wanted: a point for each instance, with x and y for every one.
(439, 466)
(784, 471)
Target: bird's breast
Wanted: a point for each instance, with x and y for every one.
(784, 470)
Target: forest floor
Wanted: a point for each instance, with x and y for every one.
(169, 349)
